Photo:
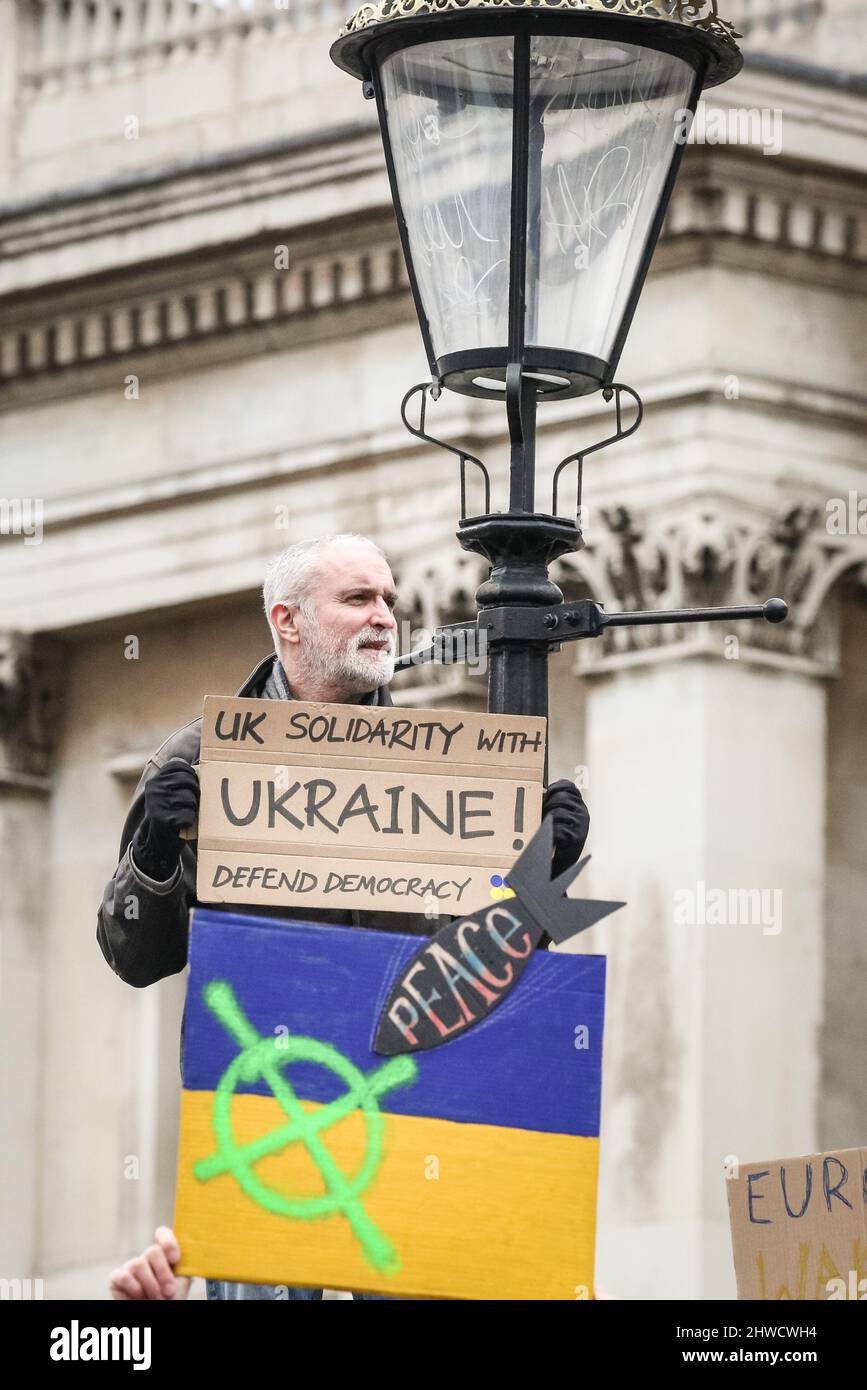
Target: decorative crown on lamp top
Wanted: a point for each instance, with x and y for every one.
(697, 16)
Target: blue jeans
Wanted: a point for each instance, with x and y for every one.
(223, 1289)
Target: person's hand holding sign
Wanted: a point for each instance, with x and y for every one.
(171, 799)
(565, 804)
(151, 1275)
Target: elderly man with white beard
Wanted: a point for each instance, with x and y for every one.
(330, 606)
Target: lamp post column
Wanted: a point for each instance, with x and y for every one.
(519, 545)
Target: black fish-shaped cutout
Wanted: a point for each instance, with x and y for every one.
(465, 970)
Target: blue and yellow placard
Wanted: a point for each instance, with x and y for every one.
(306, 1158)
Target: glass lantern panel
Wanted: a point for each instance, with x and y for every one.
(605, 119)
(449, 112)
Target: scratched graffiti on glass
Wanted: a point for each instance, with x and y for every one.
(601, 140)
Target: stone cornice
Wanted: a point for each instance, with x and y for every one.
(159, 212)
(799, 70)
(74, 337)
(459, 421)
(100, 335)
(190, 207)
(333, 139)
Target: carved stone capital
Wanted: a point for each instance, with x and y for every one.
(719, 551)
(28, 712)
(435, 589)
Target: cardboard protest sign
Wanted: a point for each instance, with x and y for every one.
(330, 805)
(799, 1227)
(468, 1171)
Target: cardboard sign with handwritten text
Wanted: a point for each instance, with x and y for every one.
(332, 805)
(799, 1227)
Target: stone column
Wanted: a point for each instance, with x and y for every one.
(26, 718)
(706, 749)
(9, 65)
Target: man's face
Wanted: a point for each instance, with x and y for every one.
(348, 632)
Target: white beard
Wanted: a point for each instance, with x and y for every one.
(338, 661)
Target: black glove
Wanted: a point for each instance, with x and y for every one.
(171, 804)
(565, 803)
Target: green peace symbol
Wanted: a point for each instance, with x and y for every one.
(265, 1058)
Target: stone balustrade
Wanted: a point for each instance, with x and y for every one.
(94, 89)
(79, 42)
(84, 42)
(763, 22)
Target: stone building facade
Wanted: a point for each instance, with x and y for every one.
(205, 335)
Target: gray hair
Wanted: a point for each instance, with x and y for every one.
(289, 577)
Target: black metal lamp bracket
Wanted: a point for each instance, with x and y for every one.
(567, 622)
(617, 391)
(464, 456)
(541, 625)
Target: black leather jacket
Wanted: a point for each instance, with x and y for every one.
(142, 926)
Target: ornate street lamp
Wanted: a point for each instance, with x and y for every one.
(531, 150)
